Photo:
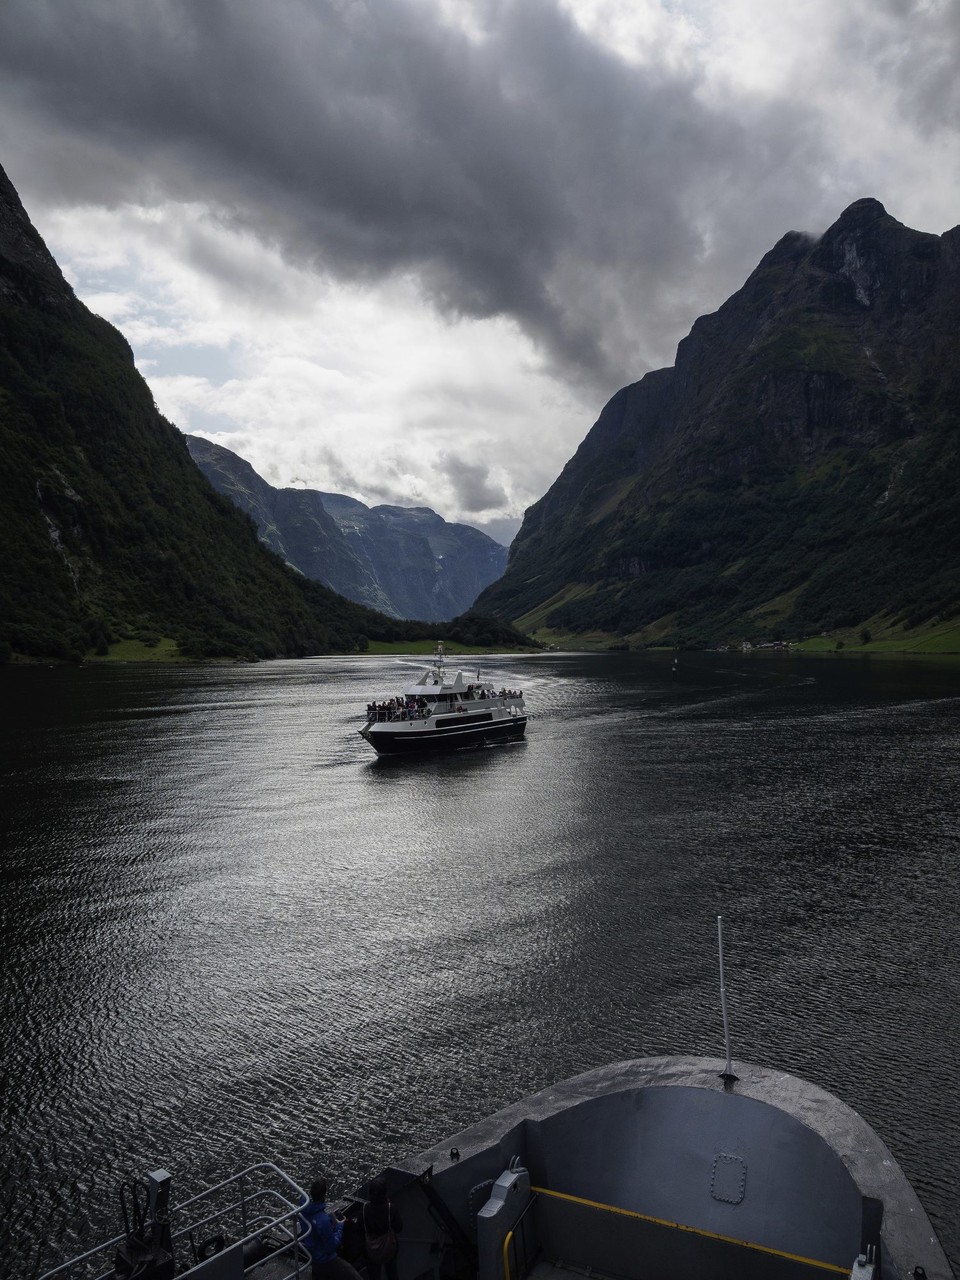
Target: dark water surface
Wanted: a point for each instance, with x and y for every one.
(231, 932)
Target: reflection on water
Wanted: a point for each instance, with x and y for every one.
(232, 931)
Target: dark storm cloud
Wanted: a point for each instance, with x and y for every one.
(471, 484)
(529, 173)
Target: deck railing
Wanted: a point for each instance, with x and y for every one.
(258, 1206)
(386, 714)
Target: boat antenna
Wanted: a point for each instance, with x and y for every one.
(726, 1075)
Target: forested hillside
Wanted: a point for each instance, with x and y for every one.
(109, 531)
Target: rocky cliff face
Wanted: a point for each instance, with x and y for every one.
(406, 562)
(796, 469)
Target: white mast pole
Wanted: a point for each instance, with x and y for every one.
(727, 1072)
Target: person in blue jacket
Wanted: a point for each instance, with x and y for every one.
(322, 1237)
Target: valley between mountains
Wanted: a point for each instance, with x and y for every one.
(793, 477)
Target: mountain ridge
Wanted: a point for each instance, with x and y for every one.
(786, 453)
(407, 562)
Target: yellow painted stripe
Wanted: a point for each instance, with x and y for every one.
(697, 1231)
(506, 1256)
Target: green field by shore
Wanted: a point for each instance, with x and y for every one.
(876, 637)
(165, 651)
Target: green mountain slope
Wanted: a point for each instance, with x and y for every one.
(795, 471)
(108, 529)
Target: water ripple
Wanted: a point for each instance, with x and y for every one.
(231, 931)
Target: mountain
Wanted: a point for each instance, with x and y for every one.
(796, 470)
(407, 562)
(429, 568)
(109, 531)
(292, 523)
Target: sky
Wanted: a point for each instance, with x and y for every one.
(407, 249)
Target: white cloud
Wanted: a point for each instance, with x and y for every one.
(641, 31)
(341, 387)
(860, 65)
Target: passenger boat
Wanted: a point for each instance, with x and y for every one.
(436, 713)
(653, 1169)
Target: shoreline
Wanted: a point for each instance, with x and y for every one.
(164, 655)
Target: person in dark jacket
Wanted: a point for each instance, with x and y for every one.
(322, 1237)
(381, 1225)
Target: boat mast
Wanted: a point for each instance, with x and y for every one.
(438, 659)
(726, 1075)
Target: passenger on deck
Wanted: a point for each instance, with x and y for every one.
(381, 1223)
(322, 1238)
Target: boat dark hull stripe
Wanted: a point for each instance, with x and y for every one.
(386, 743)
(473, 717)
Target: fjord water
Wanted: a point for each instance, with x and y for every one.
(231, 932)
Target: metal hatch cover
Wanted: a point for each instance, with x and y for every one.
(729, 1178)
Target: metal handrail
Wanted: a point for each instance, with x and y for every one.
(697, 1231)
(268, 1193)
(264, 1192)
(387, 715)
(508, 1239)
